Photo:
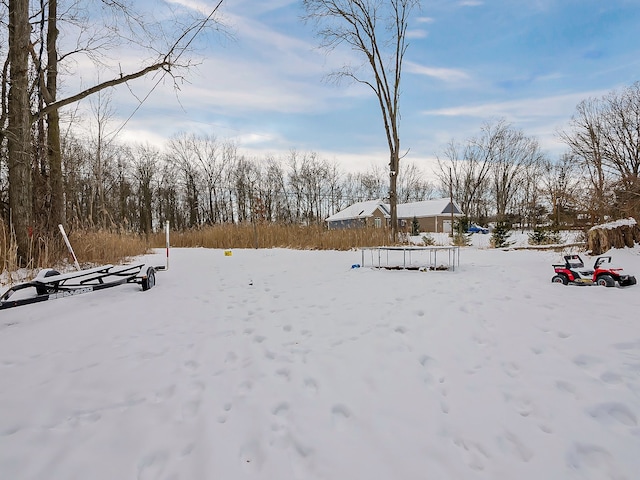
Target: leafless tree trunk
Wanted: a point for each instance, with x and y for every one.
(145, 166)
(54, 150)
(19, 127)
(368, 26)
(102, 112)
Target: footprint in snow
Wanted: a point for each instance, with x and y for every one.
(590, 458)
(620, 413)
(433, 372)
(284, 373)
(280, 409)
(473, 453)
(611, 378)
(152, 466)
(340, 414)
(311, 386)
(191, 365)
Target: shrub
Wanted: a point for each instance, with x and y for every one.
(428, 240)
(500, 235)
(461, 239)
(544, 236)
(415, 227)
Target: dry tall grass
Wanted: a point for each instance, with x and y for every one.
(275, 236)
(103, 247)
(91, 248)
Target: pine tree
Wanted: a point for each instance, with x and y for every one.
(500, 235)
(415, 227)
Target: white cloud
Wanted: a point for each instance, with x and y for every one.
(201, 7)
(470, 3)
(417, 34)
(519, 110)
(446, 74)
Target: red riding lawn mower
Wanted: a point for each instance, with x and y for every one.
(604, 274)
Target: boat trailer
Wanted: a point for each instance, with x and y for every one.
(50, 284)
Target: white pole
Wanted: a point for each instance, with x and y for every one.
(66, 240)
(166, 227)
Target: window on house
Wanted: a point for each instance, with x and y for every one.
(377, 222)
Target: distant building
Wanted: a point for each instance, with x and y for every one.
(373, 213)
(432, 215)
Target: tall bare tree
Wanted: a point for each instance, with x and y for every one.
(512, 154)
(586, 142)
(465, 169)
(370, 27)
(18, 131)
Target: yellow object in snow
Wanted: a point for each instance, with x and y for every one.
(228, 253)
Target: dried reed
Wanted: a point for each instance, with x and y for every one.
(275, 236)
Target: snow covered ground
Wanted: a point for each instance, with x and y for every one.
(281, 364)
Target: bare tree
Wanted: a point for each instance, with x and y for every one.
(586, 143)
(18, 131)
(102, 113)
(368, 27)
(145, 165)
(466, 169)
(511, 154)
(19, 112)
(371, 183)
(560, 183)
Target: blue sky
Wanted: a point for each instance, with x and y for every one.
(468, 62)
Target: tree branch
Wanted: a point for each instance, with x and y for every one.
(166, 65)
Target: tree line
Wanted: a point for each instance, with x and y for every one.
(499, 174)
(502, 174)
(197, 180)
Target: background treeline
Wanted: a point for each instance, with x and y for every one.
(500, 174)
(197, 180)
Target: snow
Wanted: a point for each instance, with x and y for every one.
(282, 364)
(625, 222)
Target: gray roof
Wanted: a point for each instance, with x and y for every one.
(426, 208)
(359, 210)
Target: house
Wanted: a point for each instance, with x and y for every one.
(432, 215)
(372, 213)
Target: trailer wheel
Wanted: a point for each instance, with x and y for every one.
(42, 289)
(606, 281)
(150, 280)
(560, 279)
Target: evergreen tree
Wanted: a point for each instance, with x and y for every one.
(415, 227)
(501, 234)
